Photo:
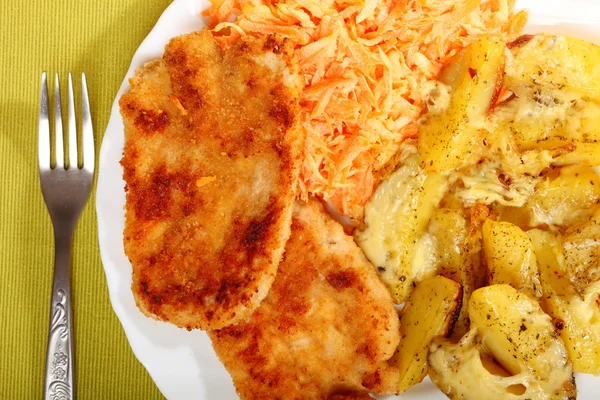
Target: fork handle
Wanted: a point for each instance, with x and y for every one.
(59, 378)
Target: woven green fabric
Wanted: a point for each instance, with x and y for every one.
(99, 38)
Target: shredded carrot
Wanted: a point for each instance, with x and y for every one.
(178, 104)
(364, 62)
(205, 180)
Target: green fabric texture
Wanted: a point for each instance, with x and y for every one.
(98, 38)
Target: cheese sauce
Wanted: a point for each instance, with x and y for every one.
(396, 217)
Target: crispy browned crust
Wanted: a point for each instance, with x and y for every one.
(497, 89)
(211, 159)
(326, 328)
(520, 41)
(351, 396)
(455, 313)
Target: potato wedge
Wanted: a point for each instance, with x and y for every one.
(581, 246)
(466, 370)
(509, 257)
(396, 217)
(510, 327)
(569, 198)
(555, 62)
(458, 370)
(452, 137)
(584, 154)
(458, 258)
(519, 216)
(546, 119)
(431, 311)
(515, 329)
(576, 317)
(557, 102)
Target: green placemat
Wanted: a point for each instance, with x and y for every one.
(98, 37)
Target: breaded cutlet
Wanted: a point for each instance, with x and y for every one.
(211, 161)
(326, 329)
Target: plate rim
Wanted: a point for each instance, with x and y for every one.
(137, 60)
(193, 7)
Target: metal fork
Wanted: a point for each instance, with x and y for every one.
(66, 189)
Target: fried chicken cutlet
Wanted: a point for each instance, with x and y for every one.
(326, 328)
(211, 160)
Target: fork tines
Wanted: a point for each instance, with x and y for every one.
(44, 147)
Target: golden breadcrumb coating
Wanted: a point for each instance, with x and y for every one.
(211, 160)
(326, 328)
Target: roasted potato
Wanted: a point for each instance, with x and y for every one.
(458, 258)
(554, 62)
(581, 246)
(465, 370)
(519, 216)
(509, 257)
(510, 327)
(527, 155)
(576, 316)
(431, 311)
(565, 199)
(569, 198)
(550, 119)
(583, 154)
(396, 218)
(557, 98)
(515, 329)
(453, 137)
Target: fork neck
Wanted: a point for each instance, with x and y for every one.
(63, 236)
(64, 228)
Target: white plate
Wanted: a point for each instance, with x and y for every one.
(183, 364)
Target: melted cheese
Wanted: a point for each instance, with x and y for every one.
(425, 257)
(481, 184)
(395, 218)
(459, 372)
(545, 119)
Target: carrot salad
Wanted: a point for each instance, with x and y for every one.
(365, 63)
